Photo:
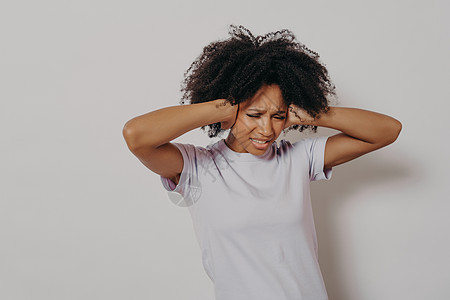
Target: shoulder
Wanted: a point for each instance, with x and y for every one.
(194, 152)
(306, 145)
(285, 145)
(310, 142)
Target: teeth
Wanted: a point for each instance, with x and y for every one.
(259, 142)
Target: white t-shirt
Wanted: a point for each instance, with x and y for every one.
(253, 219)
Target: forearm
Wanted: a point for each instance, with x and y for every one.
(362, 124)
(163, 125)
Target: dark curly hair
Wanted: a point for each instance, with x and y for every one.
(236, 68)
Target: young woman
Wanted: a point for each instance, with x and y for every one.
(249, 198)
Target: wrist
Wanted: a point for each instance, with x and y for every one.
(324, 118)
(299, 116)
(224, 109)
(224, 112)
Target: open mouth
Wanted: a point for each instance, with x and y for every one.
(260, 145)
(260, 142)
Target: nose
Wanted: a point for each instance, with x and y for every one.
(265, 128)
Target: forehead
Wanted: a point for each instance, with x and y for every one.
(268, 97)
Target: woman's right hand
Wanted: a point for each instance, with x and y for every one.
(228, 111)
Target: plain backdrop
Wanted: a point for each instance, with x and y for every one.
(82, 218)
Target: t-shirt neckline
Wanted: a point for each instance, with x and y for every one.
(245, 156)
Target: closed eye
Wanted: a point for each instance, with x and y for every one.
(280, 118)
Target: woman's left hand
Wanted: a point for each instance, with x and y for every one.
(297, 115)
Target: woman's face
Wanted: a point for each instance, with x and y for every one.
(262, 118)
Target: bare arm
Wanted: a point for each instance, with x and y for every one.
(148, 136)
(363, 131)
(163, 125)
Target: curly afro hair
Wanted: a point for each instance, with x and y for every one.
(236, 68)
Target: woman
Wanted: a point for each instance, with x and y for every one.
(248, 197)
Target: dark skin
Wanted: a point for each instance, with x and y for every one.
(362, 131)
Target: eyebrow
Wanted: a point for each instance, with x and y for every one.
(263, 110)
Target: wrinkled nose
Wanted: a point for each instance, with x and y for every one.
(265, 128)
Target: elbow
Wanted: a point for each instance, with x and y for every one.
(396, 129)
(136, 137)
(129, 134)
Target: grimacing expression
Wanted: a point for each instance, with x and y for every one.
(261, 118)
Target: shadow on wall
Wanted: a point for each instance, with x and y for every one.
(329, 197)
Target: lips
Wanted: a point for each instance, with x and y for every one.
(262, 142)
(260, 146)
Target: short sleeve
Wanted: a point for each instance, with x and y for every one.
(315, 148)
(189, 175)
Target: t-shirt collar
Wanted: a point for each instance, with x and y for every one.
(238, 156)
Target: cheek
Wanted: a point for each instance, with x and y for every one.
(242, 128)
(280, 125)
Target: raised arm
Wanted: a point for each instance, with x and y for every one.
(362, 131)
(148, 136)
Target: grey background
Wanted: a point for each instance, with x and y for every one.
(82, 218)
